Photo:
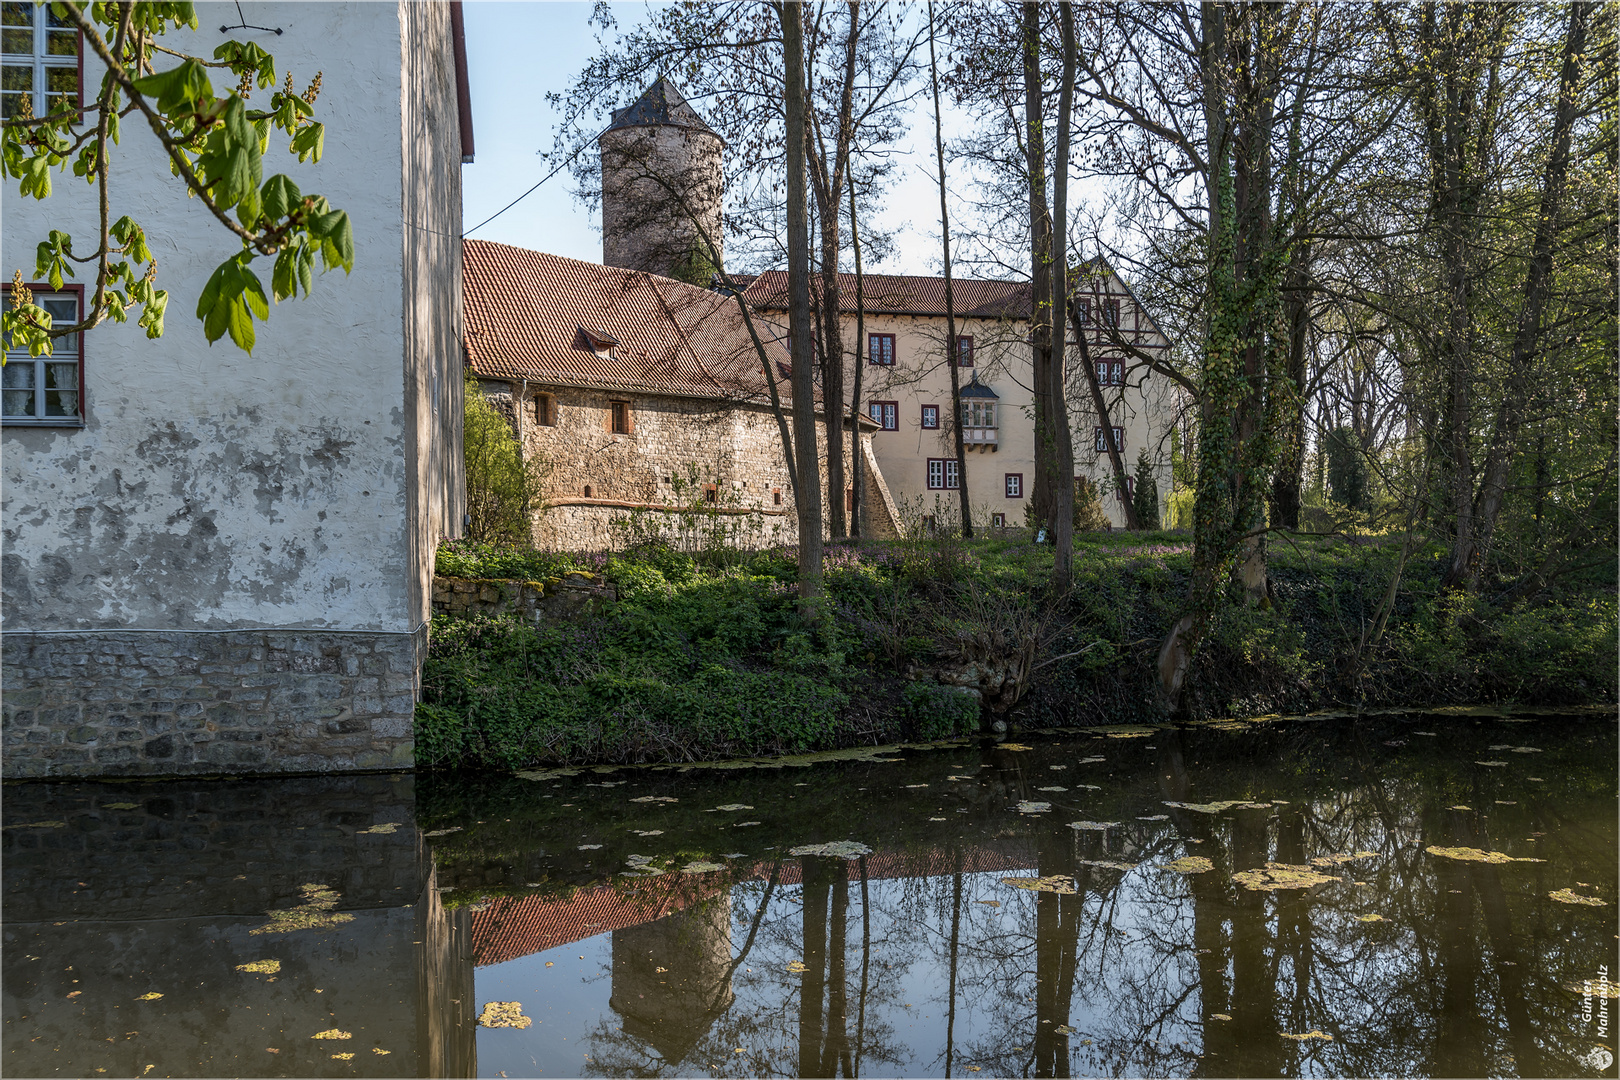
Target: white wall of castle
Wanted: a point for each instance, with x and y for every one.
(301, 486)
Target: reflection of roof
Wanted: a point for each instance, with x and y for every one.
(659, 105)
(515, 926)
(524, 312)
(905, 294)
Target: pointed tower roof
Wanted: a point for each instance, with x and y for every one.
(659, 105)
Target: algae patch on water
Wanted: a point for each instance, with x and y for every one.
(1207, 807)
(386, 828)
(1191, 864)
(332, 1033)
(499, 1014)
(1337, 860)
(1093, 826)
(1468, 854)
(1568, 896)
(317, 912)
(1280, 876)
(1061, 884)
(1028, 806)
(261, 967)
(841, 849)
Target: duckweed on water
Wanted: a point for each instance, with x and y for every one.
(332, 1033)
(1093, 826)
(261, 967)
(1107, 864)
(1191, 864)
(1568, 896)
(385, 828)
(1061, 884)
(841, 849)
(1029, 807)
(503, 1014)
(317, 912)
(1468, 854)
(1339, 860)
(1307, 1035)
(1207, 807)
(1280, 876)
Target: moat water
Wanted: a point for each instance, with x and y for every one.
(1425, 894)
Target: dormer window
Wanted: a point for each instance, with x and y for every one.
(597, 342)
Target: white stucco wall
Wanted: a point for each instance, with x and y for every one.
(213, 489)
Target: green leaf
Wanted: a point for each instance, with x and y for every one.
(279, 196)
(247, 210)
(179, 89)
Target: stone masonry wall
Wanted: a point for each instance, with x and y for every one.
(594, 476)
(531, 601)
(117, 703)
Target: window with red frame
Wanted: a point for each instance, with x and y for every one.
(880, 349)
(964, 350)
(1102, 445)
(46, 390)
(1110, 313)
(930, 417)
(886, 413)
(943, 474)
(1015, 485)
(1110, 372)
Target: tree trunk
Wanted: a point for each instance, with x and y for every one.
(1115, 458)
(1537, 290)
(1040, 266)
(1290, 474)
(1061, 467)
(807, 500)
(950, 305)
(859, 526)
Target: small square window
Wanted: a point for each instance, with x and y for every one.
(46, 390)
(1015, 485)
(619, 417)
(930, 417)
(1102, 443)
(880, 349)
(886, 413)
(998, 521)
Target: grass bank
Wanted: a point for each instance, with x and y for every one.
(707, 657)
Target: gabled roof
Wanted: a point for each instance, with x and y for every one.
(659, 105)
(529, 315)
(906, 294)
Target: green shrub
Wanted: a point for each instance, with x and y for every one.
(932, 711)
(502, 489)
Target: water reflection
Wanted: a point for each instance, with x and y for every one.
(593, 900)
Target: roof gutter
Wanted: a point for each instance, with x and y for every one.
(458, 45)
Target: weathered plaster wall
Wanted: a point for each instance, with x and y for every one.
(301, 487)
(210, 488)
(431, 149)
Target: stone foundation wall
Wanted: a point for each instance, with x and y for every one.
(121, 703)
(532, 601)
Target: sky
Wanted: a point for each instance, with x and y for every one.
(517, 52)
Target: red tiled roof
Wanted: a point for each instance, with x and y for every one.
(524, 312)
(908, 294)
(514, 926)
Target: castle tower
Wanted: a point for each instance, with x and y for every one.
(661, 187)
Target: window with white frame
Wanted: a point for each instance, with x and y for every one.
(880, 349)
(1015, 485)
(45, 389)
(40, 61)
(944, 474)
(930, 417)
(979, 413)
(1110, 372)
(1102, 442)
(886, 413)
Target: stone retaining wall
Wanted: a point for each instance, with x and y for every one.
(118, 703)
(531, 601)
